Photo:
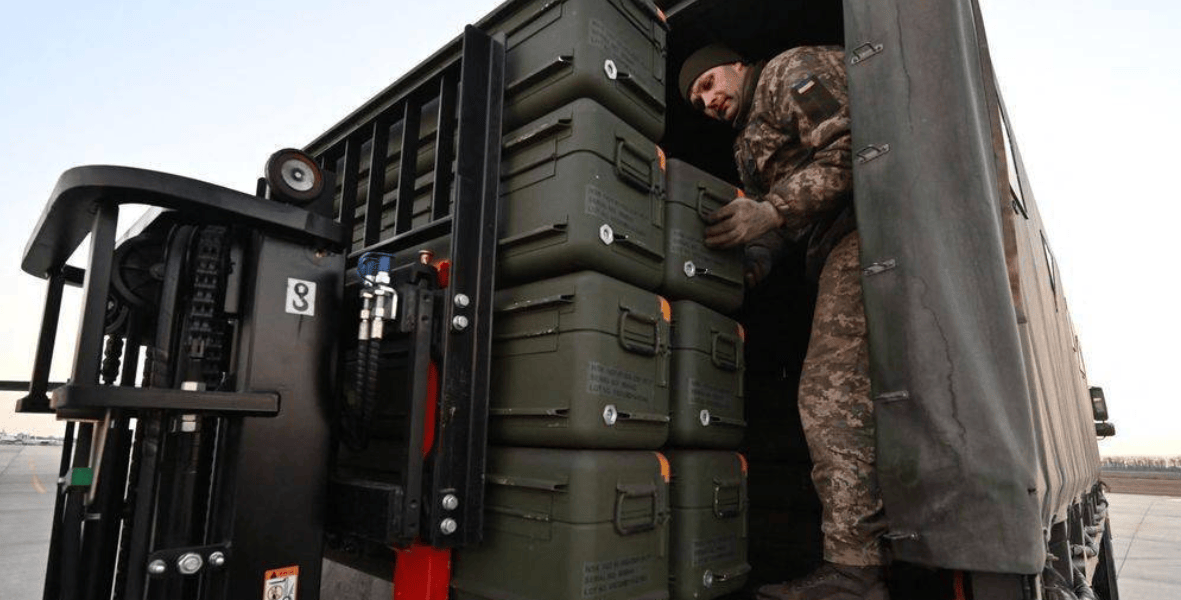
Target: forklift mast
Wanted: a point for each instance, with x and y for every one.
(222, 468)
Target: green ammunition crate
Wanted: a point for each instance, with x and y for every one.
(705, 400)
(611, 50)
(569, 525)
(581, 189)
(580, 361)
(709, 524)
(691, 270)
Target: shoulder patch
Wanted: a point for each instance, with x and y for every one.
(814, 99)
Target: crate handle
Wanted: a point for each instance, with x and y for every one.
(631, 175)
(728, 511)
(703, 193)
(636, 246)
(542, 232)
(529, 412)
(692, 270)
(638, 416)
(532, 483)
(631, 84)
(536, 303)
(622, 493)
(559, 63)
(626, 314)
(718, 342)
(545, 130)
(734, 573)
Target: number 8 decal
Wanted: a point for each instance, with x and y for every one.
(301, 297)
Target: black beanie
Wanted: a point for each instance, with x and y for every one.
(701, 61)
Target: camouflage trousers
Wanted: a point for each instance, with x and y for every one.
(837, 413)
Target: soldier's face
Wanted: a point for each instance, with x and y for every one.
(718, 91)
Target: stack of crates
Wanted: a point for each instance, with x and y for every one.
(614, 413)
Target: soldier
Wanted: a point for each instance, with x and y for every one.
(793, 152)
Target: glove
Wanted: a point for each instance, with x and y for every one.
(741, 221)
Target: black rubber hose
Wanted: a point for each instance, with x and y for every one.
(369, 400)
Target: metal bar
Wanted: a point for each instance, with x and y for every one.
(348, 185)
(419, 365)
(409, 239)
(101, 534)
(76, 397)
(444, 147)
(378, 153)
(88, 354)
(52, 589)
(36, 400)
(462, 445)
(143, 513)
(407, 172)
(21, 386)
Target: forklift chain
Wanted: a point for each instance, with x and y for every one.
(205, 331)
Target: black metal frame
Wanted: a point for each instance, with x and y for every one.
(85, 557)
(468, 95)
(89, 555)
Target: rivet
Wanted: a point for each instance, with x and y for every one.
(459, 322)
(157, 567)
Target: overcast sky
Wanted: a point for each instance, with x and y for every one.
(210, 89)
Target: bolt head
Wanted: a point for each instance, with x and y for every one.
(157, 567)
(450, 502)
(189, 563)
(448, 526)
(606, 234)
(217, 559)
(704, 417)
(462, 300)
(459, 322)
(707, 580)
(610, 414)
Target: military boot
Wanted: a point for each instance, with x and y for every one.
(831, 582)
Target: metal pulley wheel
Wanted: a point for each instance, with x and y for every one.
(293, 177)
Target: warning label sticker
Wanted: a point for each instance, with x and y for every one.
(692, 246)
(715, 550)
(704, 394)
(605, 577)
(617, 213)
(603, 36)
(617, 383)
(301, 297)
(281, 584)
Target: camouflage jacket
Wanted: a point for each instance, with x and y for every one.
(794, 147)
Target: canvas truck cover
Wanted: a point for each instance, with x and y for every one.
(958, 456)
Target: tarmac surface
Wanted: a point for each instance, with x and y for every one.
(1147, 530)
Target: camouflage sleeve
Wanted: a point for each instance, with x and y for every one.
(807, 94)
(819, 188)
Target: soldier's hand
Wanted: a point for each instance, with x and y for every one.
(741, 221)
